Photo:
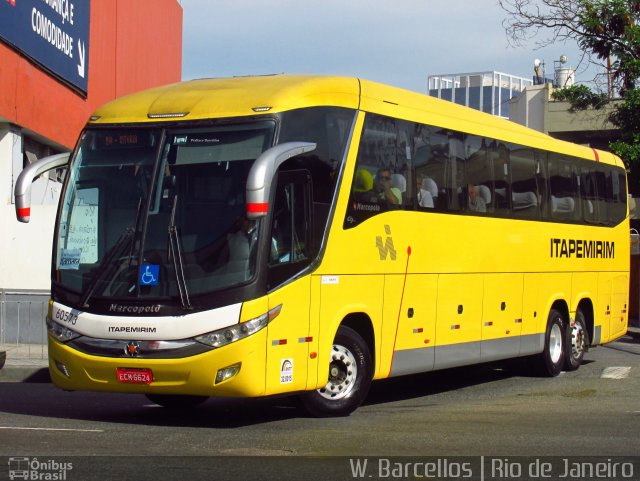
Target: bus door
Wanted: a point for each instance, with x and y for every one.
(289, 252)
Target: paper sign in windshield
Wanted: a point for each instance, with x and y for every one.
(83, 228)
(70, 259)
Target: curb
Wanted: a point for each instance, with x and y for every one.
(20, 374)
(23, 370)
(634, 332)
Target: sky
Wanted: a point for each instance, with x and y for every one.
(396, 42)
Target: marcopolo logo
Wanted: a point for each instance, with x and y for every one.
(127, 309)
(38, 470)
(386, 249)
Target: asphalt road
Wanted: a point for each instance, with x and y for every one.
(490, 411)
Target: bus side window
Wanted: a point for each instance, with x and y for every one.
(384, 157)
(589, 194)
(498, 166)
(616, 195)
(525, 195)
(476, 193)
(432, 162)
(439, 156)
(290, 241)
(563, 188)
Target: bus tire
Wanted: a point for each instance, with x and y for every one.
(576, 342)
(176, 401)
(350, 373)
(551, 360)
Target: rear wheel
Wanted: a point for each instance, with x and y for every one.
(176, 401)
(551, 360)
(576, 342)
(350, 373)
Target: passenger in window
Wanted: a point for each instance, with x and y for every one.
(363, 183)
(425, 197)
(382, 191)
(240, 241)
(475, 202)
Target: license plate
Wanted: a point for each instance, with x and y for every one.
(134, 376)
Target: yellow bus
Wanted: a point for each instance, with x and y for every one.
(299, 234)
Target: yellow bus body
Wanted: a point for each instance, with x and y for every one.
(435, 290)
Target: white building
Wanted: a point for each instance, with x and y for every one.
(488, 92)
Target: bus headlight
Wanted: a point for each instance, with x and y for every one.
(234, 333)
(227, 373)
(60, 332)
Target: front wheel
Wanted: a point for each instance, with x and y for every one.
(350, 373)
(551, 360)
(576, 342)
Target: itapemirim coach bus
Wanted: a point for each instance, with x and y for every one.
(258, 236)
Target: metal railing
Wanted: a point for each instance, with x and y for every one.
(23, 331)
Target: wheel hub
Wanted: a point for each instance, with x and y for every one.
(577, 340)
(555, 343)
(343, 373)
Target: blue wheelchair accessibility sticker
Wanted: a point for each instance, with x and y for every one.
(149, 274)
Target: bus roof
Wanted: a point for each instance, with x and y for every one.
(231, 97)
(248, 96)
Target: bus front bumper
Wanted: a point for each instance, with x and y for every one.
(198, 375)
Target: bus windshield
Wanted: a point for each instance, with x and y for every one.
(158, 213)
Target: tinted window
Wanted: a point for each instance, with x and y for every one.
(449, 171)
(525, 189)
(329, 128)
(563, 188)
(380, 180)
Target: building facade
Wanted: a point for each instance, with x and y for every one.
(59, 61)
(537, 109)
(488, 92)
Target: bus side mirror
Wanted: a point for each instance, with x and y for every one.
(262, 174)
(23, 184)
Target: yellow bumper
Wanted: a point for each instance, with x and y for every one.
(193, 375)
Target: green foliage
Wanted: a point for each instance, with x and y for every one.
(629, 152)
(611, 32)
(580, 97)
(627, 114)
(627, 118)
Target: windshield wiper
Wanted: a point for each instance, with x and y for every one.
(126, 238)
(175, 254)
(117, 249)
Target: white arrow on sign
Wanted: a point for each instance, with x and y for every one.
(81, 53)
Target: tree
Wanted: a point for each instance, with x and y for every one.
(608, 33)
(611, 32)
(580, 97)
(626, 117)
